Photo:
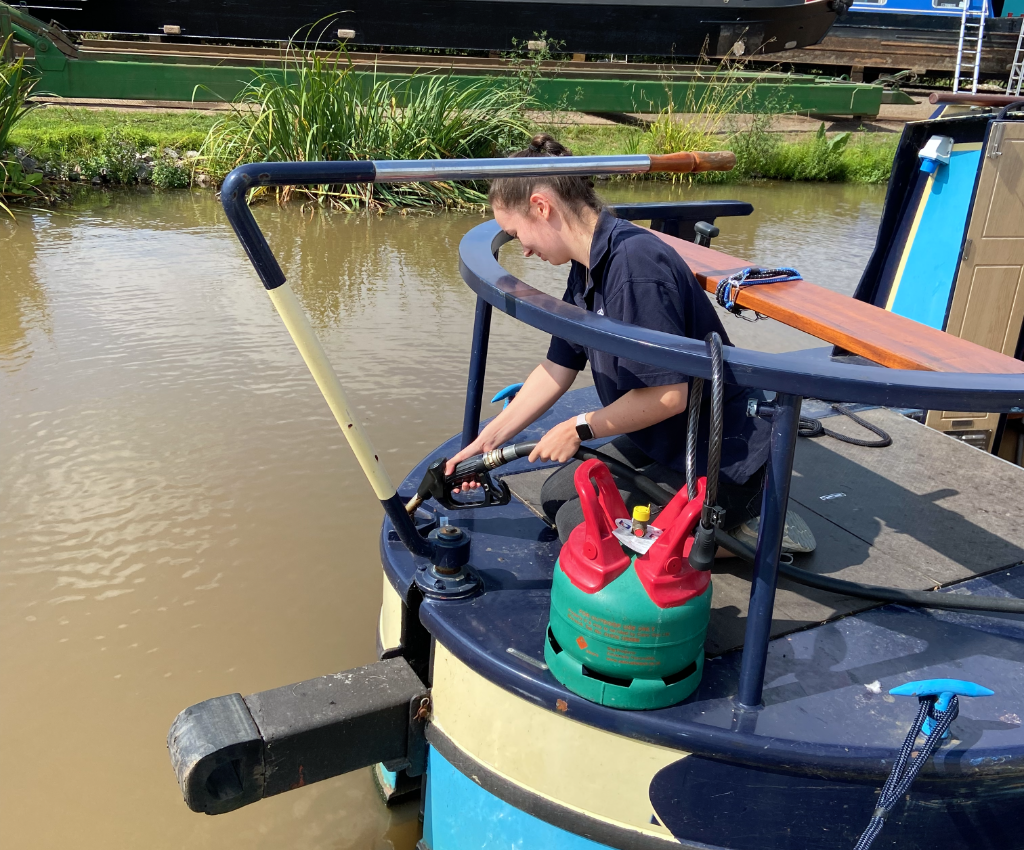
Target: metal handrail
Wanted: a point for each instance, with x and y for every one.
(793, 372)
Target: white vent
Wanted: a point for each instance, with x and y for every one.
(346, 35)
(171, 29)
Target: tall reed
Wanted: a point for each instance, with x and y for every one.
(707, 117)
(319, 108)
(16, 84)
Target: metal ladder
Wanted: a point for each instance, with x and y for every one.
(968, 50)
(1017, 68)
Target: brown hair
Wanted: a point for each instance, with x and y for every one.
(513, 193)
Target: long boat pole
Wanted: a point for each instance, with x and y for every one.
(234, 194)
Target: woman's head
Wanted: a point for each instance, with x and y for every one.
(547, 214)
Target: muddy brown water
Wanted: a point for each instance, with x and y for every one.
(180, 517)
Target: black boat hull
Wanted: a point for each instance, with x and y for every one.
(666, 28)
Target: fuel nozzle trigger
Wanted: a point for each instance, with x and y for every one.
(436, 485)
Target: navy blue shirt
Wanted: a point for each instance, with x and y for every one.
(636, 278)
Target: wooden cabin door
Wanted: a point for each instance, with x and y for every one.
(988, 300)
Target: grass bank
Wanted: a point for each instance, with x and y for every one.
(112, 147)
(84, 144)
(761, 154)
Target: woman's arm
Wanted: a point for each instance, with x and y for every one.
(634, 411)
(545, 385)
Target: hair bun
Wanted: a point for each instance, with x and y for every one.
(547, 145)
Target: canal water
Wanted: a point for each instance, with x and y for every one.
(180, 517)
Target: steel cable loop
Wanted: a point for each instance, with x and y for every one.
(692, 426)
(714, 342)
(813, 428)
(905, 770)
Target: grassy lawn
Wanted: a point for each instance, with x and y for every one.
(57, 133)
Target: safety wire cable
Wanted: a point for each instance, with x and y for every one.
(714, 342)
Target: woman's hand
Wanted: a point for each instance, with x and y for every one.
(559, 444)
(480, 445)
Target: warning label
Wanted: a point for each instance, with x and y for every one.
(613, 629)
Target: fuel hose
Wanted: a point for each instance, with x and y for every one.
(661, 494)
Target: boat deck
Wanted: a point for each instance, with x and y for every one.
(927, 511)
(880, 516)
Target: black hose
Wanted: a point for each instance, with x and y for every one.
(814, 428)
(661, 494)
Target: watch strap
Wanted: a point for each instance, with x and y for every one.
(584, 430)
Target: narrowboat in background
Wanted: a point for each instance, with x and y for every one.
(680, 28)
(921, 20)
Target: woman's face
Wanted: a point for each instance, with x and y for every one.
(541, 229)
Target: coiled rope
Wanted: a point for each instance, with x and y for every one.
(814, 428)
(729, 288)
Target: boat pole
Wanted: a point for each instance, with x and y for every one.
(785, 418)
(234, 197)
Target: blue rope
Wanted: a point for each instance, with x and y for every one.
(728, 289)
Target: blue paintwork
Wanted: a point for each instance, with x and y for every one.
(906, 185)
(927, 282)
(460, 815)
(931, 8)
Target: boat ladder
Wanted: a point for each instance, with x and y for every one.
(968, 50)
(1017, 68)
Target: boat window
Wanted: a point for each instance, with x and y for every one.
(871, 2)
(947, 4)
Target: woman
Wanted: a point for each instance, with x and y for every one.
(627, 273)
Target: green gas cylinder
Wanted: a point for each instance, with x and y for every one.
(627, 630)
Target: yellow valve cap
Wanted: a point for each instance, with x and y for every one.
(642, 513)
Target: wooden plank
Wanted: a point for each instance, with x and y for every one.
(856, 326)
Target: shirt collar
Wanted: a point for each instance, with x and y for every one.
(600, 245)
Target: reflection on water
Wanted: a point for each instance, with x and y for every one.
(180, 516)
(23, 308)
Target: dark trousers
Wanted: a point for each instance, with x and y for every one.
(562, 504)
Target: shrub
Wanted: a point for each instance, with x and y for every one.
(168, 174)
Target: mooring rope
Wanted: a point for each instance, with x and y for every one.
(728, 288)
(905, 770)
(813, 428)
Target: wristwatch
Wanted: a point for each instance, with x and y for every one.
(583, 429)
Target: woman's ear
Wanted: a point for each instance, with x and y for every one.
(540, 202)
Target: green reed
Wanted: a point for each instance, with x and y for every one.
(16, 84)
(319, 108)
